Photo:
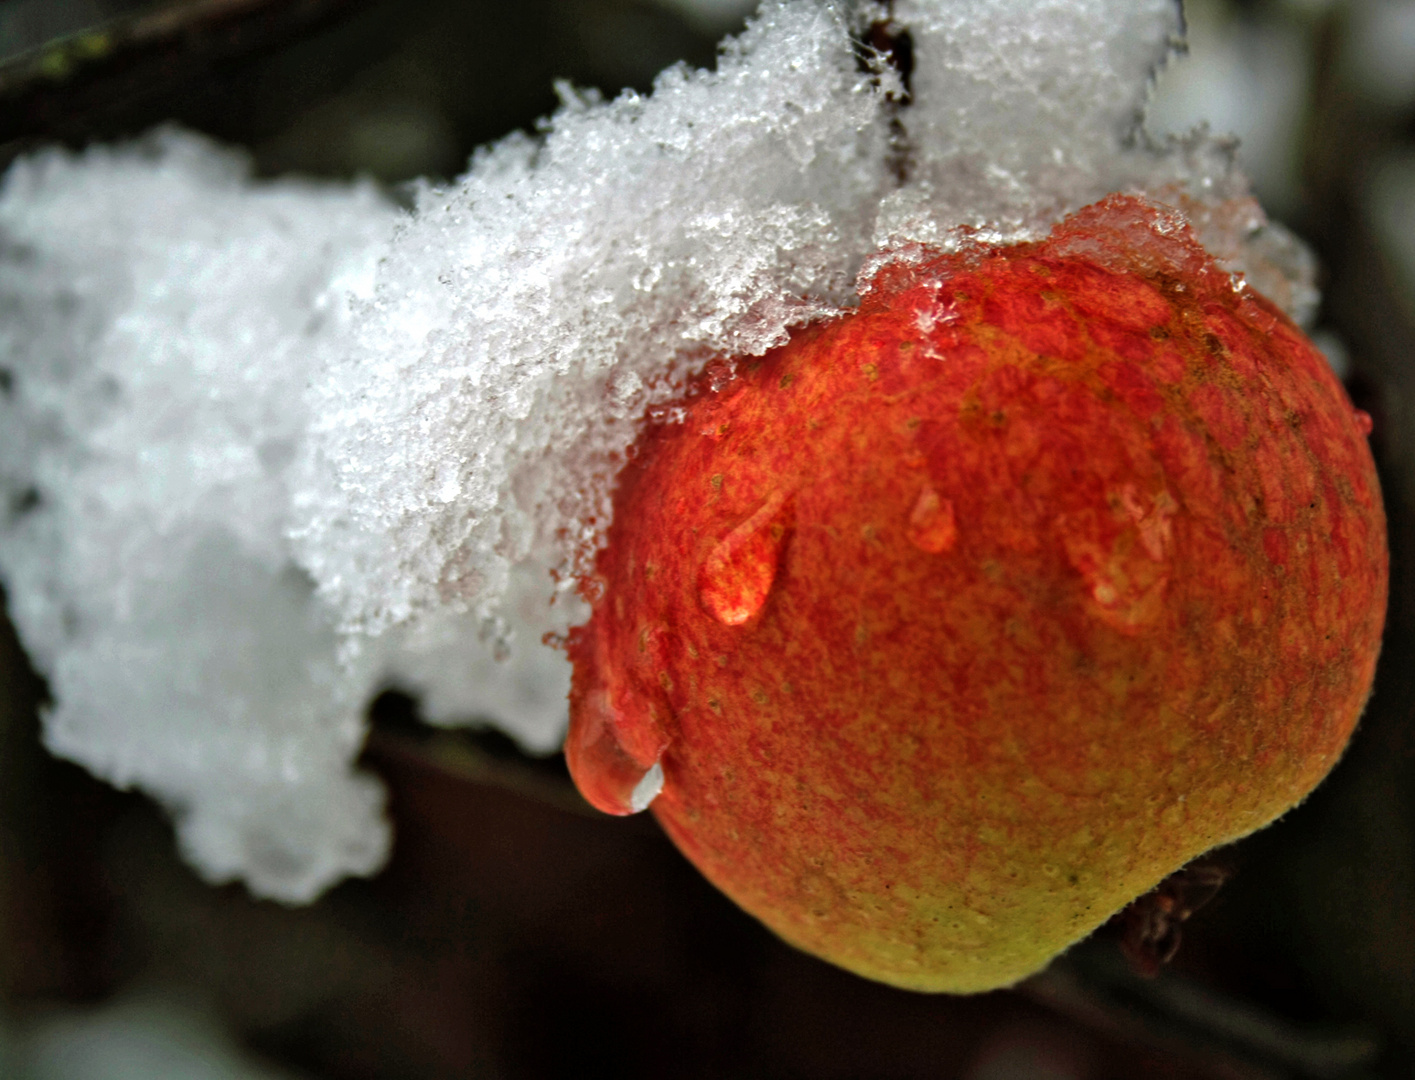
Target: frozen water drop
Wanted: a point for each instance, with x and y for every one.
(739, 572)
(609, 777)
(647, 789)
(932, 527)
(1123, 561)
(1105, 592)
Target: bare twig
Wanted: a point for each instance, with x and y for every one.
(54, 88)
(1239, 1039)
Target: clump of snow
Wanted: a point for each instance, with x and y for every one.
(525, 317)
(272, 446)
(1022, 113)
(162, 317)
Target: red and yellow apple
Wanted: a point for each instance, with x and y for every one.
(962, 620)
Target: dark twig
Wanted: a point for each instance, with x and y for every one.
(885, 45)
(1094, 985)
(53, 89)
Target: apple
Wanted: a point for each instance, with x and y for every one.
(958, 622)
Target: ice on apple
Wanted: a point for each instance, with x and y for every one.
(271, 446)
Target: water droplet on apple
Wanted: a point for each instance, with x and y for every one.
(1127, 590)
(1364, 424)
(932, 527)
(608, 776)
(1123, 556)
(738, 574)
(1105, 590)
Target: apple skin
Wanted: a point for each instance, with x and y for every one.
(959, 622)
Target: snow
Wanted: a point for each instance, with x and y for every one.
(273, 446)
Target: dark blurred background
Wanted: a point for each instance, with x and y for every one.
(516, 933)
